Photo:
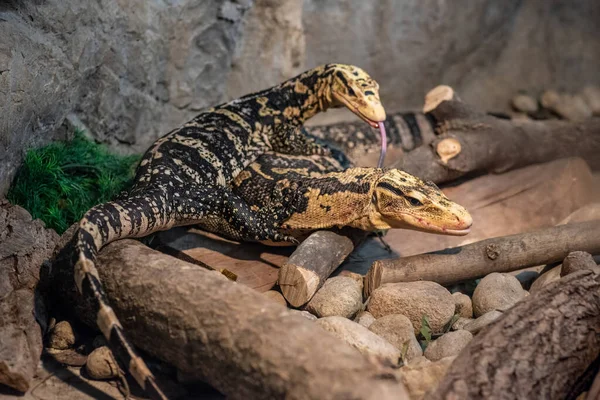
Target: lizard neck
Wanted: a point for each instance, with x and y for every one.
(291, 102)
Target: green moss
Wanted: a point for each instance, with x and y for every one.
(58, 183)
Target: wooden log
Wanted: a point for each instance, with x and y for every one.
(475, 260)
(481, 143)
(311, 264)
(237, 340)
(537, 350)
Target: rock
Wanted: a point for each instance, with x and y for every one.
(571, 107)
(399, 331)
(420, 361)
(341, 295)
(479, 323)
(576, 261)
(591, 95)
(274, 43)
(449, 344)
(69, 357)
(422, 377)
(549, 99)
(24, 246)
(357, 277)
(524, 103)
(461, 322)
(62, 336)
(172, 61)
(463, 304)
(360, 338)
(496, 292)
(304, 314)
(276, 297)
(414, 300)
(364, 318)
(546, 278)
(101, 364)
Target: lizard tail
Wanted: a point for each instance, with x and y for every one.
(101, 225)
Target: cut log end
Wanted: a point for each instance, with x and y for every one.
(436, 95)
(297, 284)
(311, 264)
(447, 149)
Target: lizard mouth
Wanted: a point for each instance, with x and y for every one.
(372, 122)
(417, 223)
(456, 232)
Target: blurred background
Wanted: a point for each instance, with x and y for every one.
(131, 70)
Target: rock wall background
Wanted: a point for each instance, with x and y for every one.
(131, 70)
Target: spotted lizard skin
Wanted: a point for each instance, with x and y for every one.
(326, 195)
(185, 176)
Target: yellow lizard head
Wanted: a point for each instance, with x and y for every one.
(354, 88)
(401, 200)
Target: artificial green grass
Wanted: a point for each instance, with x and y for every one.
(58, 183)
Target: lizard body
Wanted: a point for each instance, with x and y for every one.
(185, 176)
(329, 196)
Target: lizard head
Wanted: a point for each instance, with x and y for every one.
(354, 88)
(401, 200)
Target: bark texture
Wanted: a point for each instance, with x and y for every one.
(490, 144)
(537, 350)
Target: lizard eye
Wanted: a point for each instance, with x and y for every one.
(351, 92)
(374, 199)
(414, 202)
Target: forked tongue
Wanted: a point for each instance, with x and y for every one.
(383, 144)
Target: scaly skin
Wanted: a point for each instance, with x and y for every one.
(328, 196)
(184, 178)
(406, 131)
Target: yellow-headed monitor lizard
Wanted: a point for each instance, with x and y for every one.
(325, 195)
(185, 176)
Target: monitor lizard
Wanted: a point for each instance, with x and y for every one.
(326, 195)
(184, 179)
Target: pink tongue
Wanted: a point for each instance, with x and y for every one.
(383, 144)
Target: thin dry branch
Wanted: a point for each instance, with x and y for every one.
(475, 260)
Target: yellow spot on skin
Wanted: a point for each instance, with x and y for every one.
(265, 110)
(292, 112)
(301, 88)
